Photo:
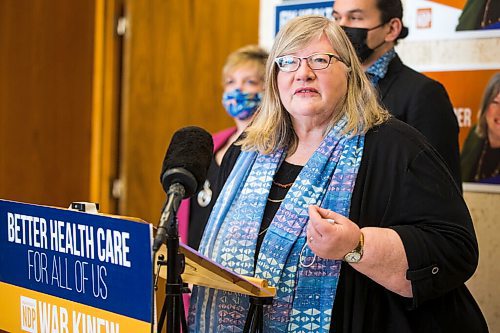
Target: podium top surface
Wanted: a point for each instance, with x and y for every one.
(200, 270)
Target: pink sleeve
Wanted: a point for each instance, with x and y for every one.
(183, 219)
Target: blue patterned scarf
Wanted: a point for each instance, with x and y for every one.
(306, 285)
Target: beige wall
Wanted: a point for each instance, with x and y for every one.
(469, 53)
(484, 284)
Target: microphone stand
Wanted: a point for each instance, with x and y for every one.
(168, 233)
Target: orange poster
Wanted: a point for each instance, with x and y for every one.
(466, 90)
(459, 4)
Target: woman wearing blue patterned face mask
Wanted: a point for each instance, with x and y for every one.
(241, 105)
(243, 83)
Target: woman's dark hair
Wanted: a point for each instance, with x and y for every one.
(392, 9)
(490, 92)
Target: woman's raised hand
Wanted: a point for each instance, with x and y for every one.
(331, 235)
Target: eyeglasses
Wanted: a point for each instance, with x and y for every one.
(317, 61)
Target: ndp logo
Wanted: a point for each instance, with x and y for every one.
(28, 314)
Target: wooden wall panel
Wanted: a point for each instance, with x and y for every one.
(107, 82)
(174, 56)
(219, 28)
(45, 100)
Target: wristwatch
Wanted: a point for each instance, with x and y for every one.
(355, 255)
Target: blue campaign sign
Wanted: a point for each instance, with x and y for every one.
(102, 262)
(286, 12)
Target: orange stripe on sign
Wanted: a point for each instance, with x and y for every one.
(459, 4)
(24, 310)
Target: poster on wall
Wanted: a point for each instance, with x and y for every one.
(452, 19)
(288, 11)
(467, 88)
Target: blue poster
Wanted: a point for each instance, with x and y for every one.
(286, 12)
(68, 271)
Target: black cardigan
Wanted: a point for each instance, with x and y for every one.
(424, 104)
(403, 184)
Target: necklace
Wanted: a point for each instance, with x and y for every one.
(282, 185)
(263, 231)
(479, 172)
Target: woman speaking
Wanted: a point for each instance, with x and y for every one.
(350, 214)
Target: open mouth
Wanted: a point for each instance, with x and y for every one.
(306, 91)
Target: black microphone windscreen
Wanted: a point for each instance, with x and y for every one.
(191, 148)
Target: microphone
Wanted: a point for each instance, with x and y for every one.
(183, 173)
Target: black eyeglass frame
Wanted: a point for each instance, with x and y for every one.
(330, 55)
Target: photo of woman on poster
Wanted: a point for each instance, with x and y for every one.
(480, 156)
(480, 14)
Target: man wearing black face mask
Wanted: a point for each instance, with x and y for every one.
(374, 26)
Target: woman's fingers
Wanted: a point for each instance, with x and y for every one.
(332, 216)
(323, 219)
(329, 234)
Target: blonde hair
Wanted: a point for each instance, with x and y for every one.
(272, 129)
(490, 92)
(250, 54)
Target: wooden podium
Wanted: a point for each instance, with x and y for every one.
(201, 271)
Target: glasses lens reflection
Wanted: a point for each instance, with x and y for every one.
(316, 61)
